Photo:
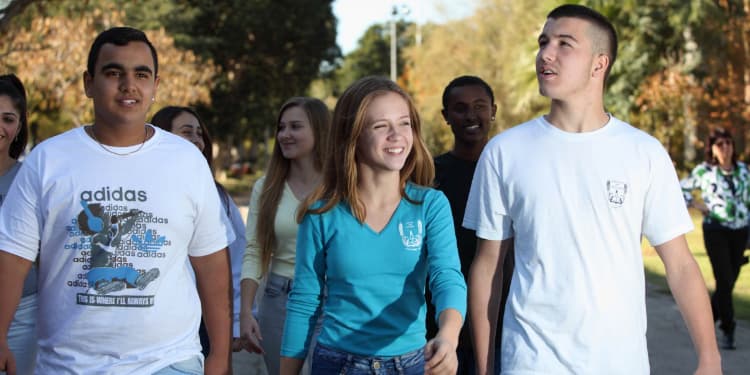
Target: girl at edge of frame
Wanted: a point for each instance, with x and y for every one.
(14, 130)
(293, 172)
(371, 234)
(185, 122)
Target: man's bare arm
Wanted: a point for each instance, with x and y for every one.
(485, 290)
(214, 280)
(689, 291)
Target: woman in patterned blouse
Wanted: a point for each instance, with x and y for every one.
(723, 182)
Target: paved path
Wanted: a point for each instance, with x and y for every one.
(669, 346)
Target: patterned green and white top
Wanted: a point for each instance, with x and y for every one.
(726, 194)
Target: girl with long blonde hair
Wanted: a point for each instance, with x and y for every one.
(293, 172)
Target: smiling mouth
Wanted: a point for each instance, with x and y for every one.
(395, 150)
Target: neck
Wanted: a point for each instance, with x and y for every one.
(580, 116)
(303, 171)
(6, 162)
(726, 165)
(468, 151)
(377, 188)
(119, 136)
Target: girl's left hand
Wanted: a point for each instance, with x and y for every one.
(440, 357)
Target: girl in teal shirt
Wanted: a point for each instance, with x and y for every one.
(371, 236)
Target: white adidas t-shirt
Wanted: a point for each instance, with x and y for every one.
(577, 205)
(115, 291)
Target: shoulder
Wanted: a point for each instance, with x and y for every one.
(515, 135)
(425, 195)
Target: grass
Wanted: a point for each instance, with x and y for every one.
(655, 269)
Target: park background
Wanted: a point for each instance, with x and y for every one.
(682, 69)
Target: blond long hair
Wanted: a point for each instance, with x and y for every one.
(278, 171)
(340, 172)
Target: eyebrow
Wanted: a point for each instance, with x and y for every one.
(10, 114)
(191, 126)
(118, 66)
(560, 36)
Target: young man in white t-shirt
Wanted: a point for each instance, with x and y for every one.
(114, 211)
(576, 189)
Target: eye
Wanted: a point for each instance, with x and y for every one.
(112, 73)
(9, 119)
(143, 75)
(406, 123)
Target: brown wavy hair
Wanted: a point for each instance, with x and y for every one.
(278, 171)
(340, 172)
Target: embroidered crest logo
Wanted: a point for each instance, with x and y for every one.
(616, 191)
(411, 234)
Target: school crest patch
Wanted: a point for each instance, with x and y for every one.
(616, 192)
(411, 234)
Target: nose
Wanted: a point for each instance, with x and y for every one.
(546, 53)
(126, 82)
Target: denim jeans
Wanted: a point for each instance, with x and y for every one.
(328, 361)
(191, 366)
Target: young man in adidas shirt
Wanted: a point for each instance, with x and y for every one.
(114, 212)
(576, 189)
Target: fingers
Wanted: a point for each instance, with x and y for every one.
(440, 358)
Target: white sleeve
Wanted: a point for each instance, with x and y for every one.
(486, 209)
(213, 231)
(20, 217)
(665, 215)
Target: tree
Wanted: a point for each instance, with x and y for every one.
(266, 50)
(50, 60)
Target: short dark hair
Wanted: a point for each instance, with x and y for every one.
(165, 117)
(597, 20)
(466, 81)
(119, 36)
(714, 136)
(11, 86)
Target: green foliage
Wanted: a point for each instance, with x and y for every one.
(267, 51)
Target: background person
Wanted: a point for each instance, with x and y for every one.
(293, 172)
(186, 123)
(14, 132)
(372, 235)
(724, 185)
(469, 109)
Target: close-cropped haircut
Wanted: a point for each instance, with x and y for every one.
(12, 87)
(119, 36)
(604, 37)
(319, 117)
(340, 170)
(466, 81)
(165, 118)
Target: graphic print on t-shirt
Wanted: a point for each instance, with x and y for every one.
(412, 241)
(111, 240)
(616, 191)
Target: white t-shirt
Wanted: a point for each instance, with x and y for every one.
(115, 291)
(577, 205)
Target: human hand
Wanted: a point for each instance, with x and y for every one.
(440, 357)
(237, 344)
(250, 334)
(7, 362)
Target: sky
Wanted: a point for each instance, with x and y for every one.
(355, 16)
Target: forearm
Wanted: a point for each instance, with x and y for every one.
(450, 323)
(13, 270)
(485, 284)
(248, 289)
(213, 278)
(689, 291)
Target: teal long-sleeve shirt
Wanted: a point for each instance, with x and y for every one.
(375, 303)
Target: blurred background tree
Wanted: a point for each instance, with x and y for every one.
(682, 66)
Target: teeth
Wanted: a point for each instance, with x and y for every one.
(475, 126)
(129, 101)
(394, 150)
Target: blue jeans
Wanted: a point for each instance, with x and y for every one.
(192, 366)
(328, 361)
